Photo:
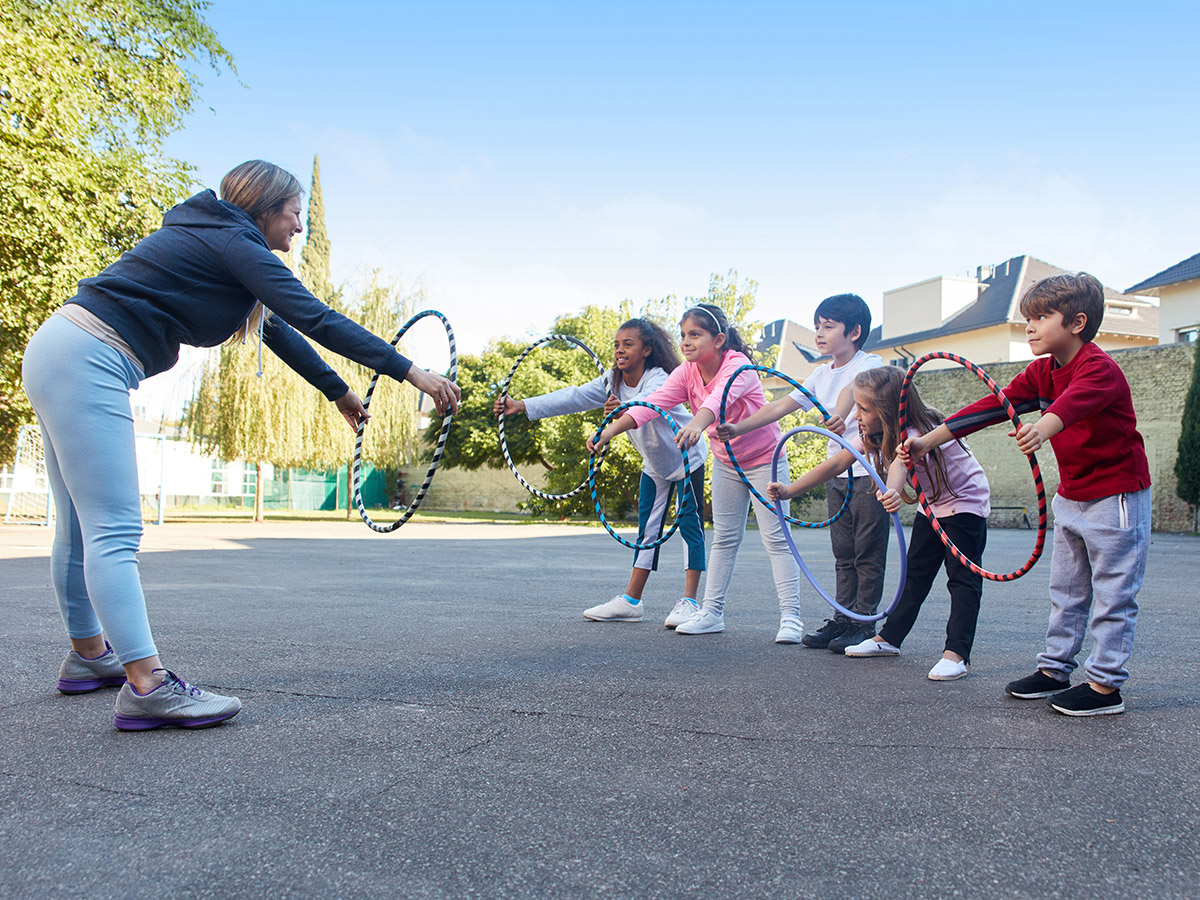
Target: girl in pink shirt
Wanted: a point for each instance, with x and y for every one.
(712, 350)
(958, 492)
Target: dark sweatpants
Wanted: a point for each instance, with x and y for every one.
(927, 554)
(860, 543)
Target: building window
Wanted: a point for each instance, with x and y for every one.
(1187, 335)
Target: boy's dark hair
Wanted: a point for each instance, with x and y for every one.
(850, 310)
(712, 319)
(1069, 295)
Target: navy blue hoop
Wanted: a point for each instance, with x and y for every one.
(685, 484)
(787, 532)
(737, 466)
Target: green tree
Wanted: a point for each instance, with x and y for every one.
(1187, 462)
(314, 259)
(89, 91)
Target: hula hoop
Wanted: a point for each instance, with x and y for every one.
(566, 338)
(737, 466)
(1033, 464)
(685, 484)
(787, 532)
(441, 440)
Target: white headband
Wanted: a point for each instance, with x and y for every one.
(707, 312)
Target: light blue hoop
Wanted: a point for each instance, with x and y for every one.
(787, 532)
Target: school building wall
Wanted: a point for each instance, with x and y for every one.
(1158, 376)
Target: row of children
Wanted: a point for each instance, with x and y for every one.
(1102, 507)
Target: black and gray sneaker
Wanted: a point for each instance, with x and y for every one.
(174, 702)
(80, 675)
(1081, 700)
(1035, 686)
(854, 633)
(820, 638)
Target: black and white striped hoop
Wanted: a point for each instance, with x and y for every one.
(567, 339)
(441, 439)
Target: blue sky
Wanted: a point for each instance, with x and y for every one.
(521, 160)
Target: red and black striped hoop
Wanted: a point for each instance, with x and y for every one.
(1033, 465)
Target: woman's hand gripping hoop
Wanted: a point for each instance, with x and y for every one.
(737, 466)
(441, 440)
(1033, 464)
(565, 338)
(781, 448)
(684, 485)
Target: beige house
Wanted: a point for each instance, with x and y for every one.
(798, 354)
(1178, 291)
(979, 317)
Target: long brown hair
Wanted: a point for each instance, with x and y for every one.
(261, 189)
(712, 319)
(880, 389)
(662, 348)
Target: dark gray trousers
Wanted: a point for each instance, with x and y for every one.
(860, 542)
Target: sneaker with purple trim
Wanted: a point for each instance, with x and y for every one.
(174, 702)
(80, 675)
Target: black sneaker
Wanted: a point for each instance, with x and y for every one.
(1035, 686)
(820, 638)
(1081, 700)
(853, 633)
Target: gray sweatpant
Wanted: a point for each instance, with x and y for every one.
(1100, 550)
(730, 502)
(860, 544)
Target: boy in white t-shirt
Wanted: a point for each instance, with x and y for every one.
(860, 537)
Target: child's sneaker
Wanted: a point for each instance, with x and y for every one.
(1035, 686)
(948, 670)
(174, 702)
(704, 622)
(854, 633)
(1082, 700)
(820, 638)
(618, 609)
(684, 610)
(872, 647)
(791, 631)
(79, 675)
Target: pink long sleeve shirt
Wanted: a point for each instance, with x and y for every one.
(687, 385)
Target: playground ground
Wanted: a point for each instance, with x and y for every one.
(428, 715)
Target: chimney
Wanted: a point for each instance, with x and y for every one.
(985, 273)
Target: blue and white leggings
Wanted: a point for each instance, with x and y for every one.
(79, 387)
(654, 498)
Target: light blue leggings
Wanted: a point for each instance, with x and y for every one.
(79, 387)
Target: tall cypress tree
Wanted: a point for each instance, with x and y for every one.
(1187, 460)
(314, 259)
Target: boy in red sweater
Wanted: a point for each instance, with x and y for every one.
(1102, 507)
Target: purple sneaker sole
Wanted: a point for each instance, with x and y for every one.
(86, 685)
(137, 723)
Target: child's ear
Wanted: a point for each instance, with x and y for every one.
(855, 333)
(1079, 323)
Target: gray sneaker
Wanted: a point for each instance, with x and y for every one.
(174, 702)
(79, 675)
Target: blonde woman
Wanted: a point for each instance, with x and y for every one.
(206, 275)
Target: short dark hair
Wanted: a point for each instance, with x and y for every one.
(850, 310)
(1069, 295)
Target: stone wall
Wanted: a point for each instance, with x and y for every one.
(1158, 378)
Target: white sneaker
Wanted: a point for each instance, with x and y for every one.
(872, 647)
(948, 670)
(791, 630)
(704, 622)
(683, 611)
(618, 609)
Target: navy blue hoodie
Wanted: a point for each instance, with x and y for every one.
(195, 281)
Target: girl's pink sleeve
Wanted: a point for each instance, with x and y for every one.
(672, 393)
(746, 382)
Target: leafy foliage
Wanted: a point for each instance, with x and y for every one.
(1187, 463)
(89, 90)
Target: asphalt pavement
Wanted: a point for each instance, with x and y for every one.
(428, 715)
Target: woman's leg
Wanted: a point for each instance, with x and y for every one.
(80, 387)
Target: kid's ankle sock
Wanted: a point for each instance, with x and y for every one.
(632, 602)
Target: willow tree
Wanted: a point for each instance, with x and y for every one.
(89, 92)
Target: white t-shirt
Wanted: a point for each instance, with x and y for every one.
(827, 384)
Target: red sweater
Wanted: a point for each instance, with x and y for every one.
(1099, 450)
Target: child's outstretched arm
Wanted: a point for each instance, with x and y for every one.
(689, 435)
(508, 406)
(771, 412)
(621, 425)
(819, 474)
(841, 410)
(572, 399)
(916, 447)
(897, 476)
(1031, 437)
